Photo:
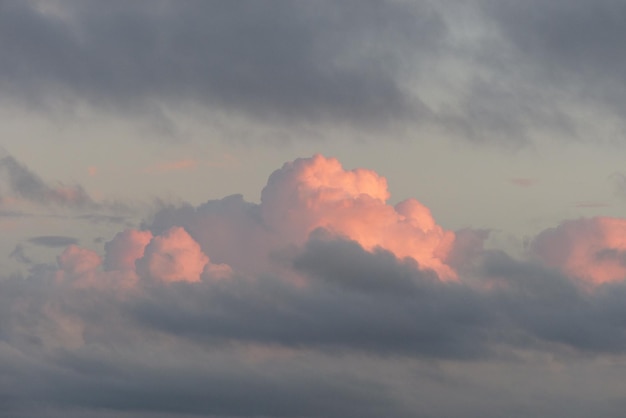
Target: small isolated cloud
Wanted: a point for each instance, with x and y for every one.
(53, 241)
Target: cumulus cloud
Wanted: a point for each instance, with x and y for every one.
(318, 192)
(591, 249)
(172, 257)
(302, 294)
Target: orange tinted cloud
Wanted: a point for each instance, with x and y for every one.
(173, 257)
(302, 196)
(318, 192)
(591, 249)
(78, 265)
(126, 248)
(170, 257)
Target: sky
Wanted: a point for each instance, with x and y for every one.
(290, 209)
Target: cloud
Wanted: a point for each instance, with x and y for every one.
(234, 309)
(317, 192)
(307, 194)
(555, 65)
(126, 248)
(298, 61)
(486, 71)
(53, 241)
(19, 255)
(25, 184)
(175, 256)
(591, 249)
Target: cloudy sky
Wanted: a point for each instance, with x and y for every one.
(355, 208)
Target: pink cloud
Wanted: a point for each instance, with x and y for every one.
(591, 249)
(174, 257)
(318, 192)
(125, 249)
(78, 265)
(170, 257)
(210, 241)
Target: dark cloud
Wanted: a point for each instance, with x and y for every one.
(298, 60)
(527, 68)
(553, 59)
(568, 41)
(551, 308)
(53, 241)
(264, 346)
(358, 301)
(373, 302)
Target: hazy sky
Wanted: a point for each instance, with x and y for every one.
(355, 208)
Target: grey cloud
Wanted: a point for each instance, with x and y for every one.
(560, 53)
(189, 349)
(123, 368)
(26, 184)
(528, 68)
(297, 60)
(19, 255)
(567, 40)
(551, 308)
(94, 383)
(17, 180)
(53, 241)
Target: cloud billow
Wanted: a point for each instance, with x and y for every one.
(300, 306)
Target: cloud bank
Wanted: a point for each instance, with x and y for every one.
(318, 301)
(495, 71)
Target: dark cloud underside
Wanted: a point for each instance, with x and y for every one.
(303, 60)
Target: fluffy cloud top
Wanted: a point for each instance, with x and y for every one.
(591, 249)
(318, 192)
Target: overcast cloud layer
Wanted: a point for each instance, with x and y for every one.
(500, 71)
